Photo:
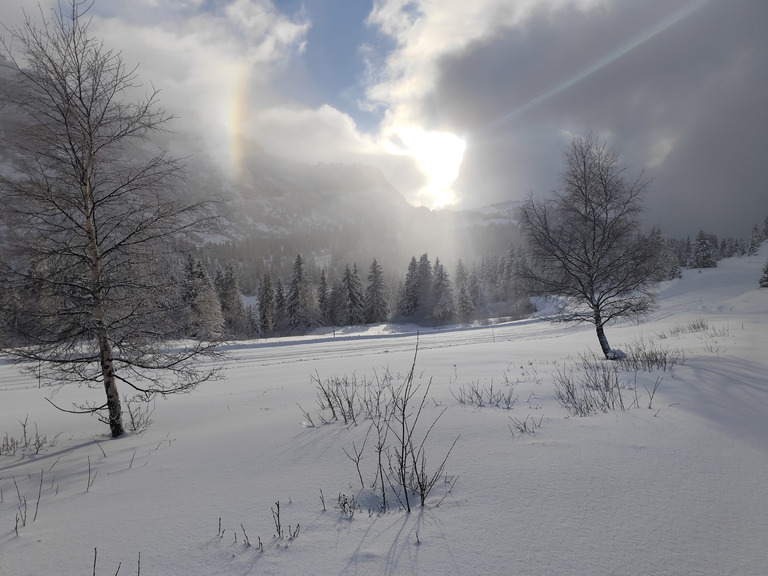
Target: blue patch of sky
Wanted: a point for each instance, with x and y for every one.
(332, 69)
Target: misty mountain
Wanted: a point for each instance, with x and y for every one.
(273, 208)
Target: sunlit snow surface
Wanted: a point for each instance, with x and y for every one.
(677, 489)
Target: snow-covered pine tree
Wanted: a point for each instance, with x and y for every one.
(353, 292)
(204, 319)
(764, 277)
(266, 306)
(300, 303)
(424, 286)
(443, 307)
(376, 305)
(476, 289)
(668, 261)
(281, 315)
(754, 241)
(464, 304)
(338, 311)
(409, 296)
(491, 276)
(704, 254)
(687, 256)
(218, 281)
(323, 300)
(728, 248)
(508, 276)
(231, 299)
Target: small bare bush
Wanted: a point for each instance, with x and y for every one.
(598, 389)
(340, 396)
(396, 407)
(9, 446)
(408, 467)
(645, 356)
(527, 425)
(139, 412)
(698, 325)
(348, 506)
(481, 395)
(27, 443)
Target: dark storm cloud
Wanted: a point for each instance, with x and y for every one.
(689, 103)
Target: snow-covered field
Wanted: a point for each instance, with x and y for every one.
(681, 488)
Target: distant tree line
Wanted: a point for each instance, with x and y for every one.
(427, 294)
(705, 251)
(310, 295)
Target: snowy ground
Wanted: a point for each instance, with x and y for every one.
(680, 488)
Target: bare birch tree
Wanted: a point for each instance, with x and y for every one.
(585, 244)
(92, 226)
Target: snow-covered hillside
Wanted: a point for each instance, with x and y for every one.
(679, 488)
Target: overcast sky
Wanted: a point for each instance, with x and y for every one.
(467, 103)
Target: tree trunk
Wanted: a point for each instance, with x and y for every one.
(110, 385)
(601, 334)
(105, 348)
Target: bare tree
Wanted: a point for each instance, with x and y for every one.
(585, 243)
(91, 226)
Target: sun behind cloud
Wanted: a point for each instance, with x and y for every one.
(438, 156)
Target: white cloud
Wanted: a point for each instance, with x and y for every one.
(213, 66)
(424, 31)
(323, 134)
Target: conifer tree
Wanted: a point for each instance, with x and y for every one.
(508, 276)
(476, 289)
(338, 310)
(764, 277)
(218, 280)
(754, 242)
(204, 320)
(703, 252)
(464, 305)
(353, 293)
(323, 300)
(281, 315)
(376, 307)
(300, 303)
(266, 305)
(442, 294)
(231, 299)
(728, 248)
(424, 287)
(409, 296)
(668, 262)
(687, 259)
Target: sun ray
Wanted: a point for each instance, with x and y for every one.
(671, 20)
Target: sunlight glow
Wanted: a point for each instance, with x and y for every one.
(439, 156)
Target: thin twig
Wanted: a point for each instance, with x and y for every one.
(39, 493)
